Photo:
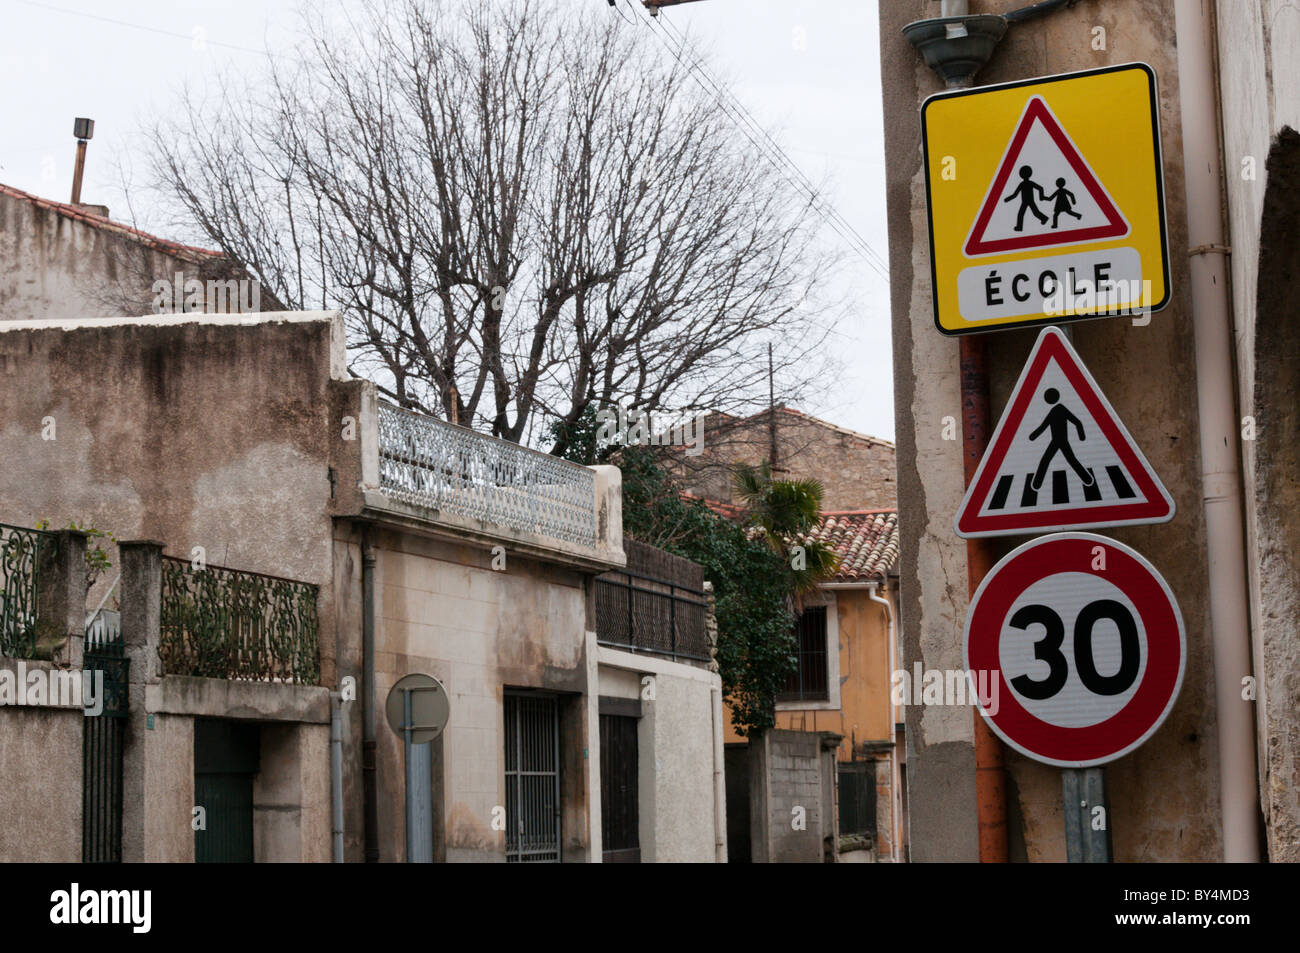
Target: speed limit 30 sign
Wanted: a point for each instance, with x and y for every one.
(1083, 644)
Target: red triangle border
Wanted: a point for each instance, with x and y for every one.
(1157, 506)
(1116, 227)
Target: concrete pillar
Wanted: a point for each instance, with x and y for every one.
(140, 601)
(158, 759)
(830, 800)
(609, 514)
(61, 598)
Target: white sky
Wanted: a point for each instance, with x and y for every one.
(808, 70)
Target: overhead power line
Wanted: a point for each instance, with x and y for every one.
(677, 46)
(777, 154)
(188, 37)
(788, 162)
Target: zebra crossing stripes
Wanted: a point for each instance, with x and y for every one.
(1061, 483)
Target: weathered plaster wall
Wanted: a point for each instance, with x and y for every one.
(444, 611)
(291, 795)
(1164, 799)
(60, 267)
(194, 430)
(40, 762)
(1259, 79)
(861, 633)
(158, 792)
(197, 431)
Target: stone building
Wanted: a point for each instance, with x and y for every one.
(290, 547)
(1228, 102)
(840, 689)
(856, 470)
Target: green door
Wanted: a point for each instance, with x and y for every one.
(225, 762)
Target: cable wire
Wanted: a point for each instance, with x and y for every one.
(763, 141)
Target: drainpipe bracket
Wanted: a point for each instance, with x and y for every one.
(956, 47)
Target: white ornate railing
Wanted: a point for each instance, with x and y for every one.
(427, 462)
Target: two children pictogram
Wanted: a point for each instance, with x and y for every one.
(1028, 190)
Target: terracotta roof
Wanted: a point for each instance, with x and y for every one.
(175, 249)
(866, 541)
(729, 510)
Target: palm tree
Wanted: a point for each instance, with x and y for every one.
(784, 514)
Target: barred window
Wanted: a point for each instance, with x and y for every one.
(809, 680)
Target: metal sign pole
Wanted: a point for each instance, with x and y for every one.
(1083, 791)
(1081, 845)
(1087, 815)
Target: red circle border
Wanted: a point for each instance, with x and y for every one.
(1161, 679)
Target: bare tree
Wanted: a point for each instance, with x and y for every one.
(522, 207)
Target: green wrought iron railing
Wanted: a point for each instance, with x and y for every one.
(20, 561)
(226, 623)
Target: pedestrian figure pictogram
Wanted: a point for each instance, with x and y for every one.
(1059, 457)
(1064, 200)
(1026, 191)
(1058, 421)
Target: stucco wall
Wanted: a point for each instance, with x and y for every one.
(1164, 800)
(675, 743)
(194, 430)
(158, 792)
(291, 794)
(59, 267)
(863, 675)
(1259, 80)
(198, 431)
(40, 762)
(444, 611)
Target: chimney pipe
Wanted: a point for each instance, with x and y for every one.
(84, 130)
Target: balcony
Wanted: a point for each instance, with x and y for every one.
(225, 623)
(658, 605)
(435, 473)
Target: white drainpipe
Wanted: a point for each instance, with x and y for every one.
(895, 795)
(1217, 410)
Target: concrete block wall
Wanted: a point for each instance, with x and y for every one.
(788, 772)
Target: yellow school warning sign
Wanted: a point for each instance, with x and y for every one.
(1046, 200)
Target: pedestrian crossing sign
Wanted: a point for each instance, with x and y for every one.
(1060, 458)
(1046, 200)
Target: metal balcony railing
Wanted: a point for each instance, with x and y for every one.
(645, 614)
(20, 551)
(224, 623)
(427, 462)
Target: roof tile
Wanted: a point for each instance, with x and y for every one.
(175, 249)
(865, 540)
